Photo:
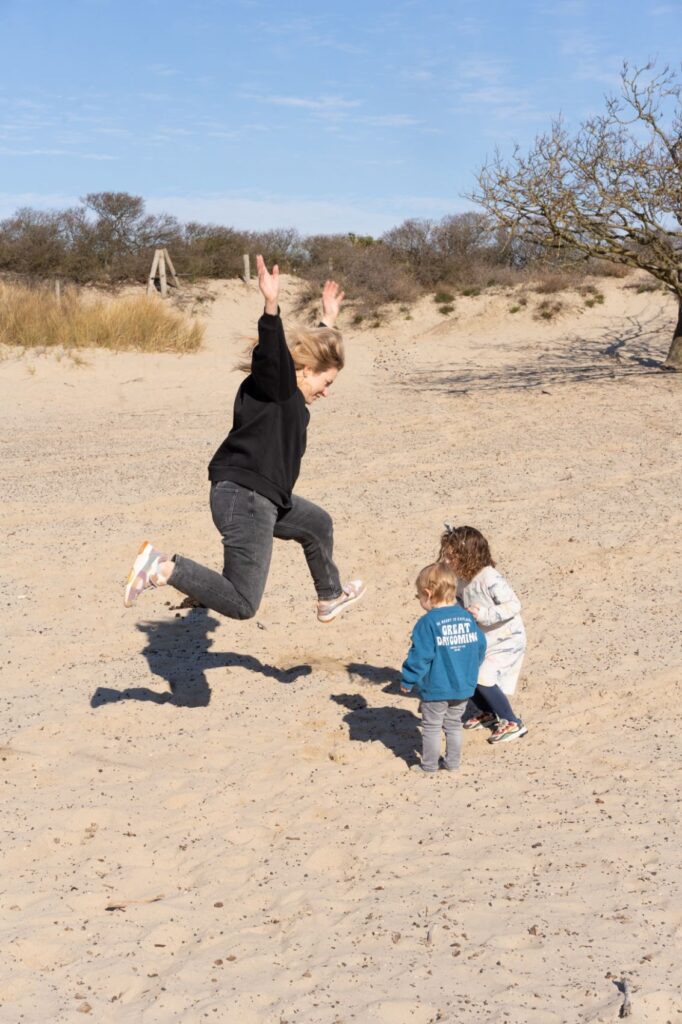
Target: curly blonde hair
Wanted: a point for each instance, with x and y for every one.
(466, 550)
(318, 348)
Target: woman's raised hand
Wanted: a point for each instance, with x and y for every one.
(332, 297)
(269, 285)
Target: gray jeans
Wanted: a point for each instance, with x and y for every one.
(247, 523)
(445, 715)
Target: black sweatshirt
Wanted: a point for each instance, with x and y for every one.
(264, 448)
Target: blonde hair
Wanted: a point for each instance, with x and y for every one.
(439, 580)
(318, 348)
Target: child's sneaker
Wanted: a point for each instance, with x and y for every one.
(483, 721)
(506, 732)
(417, 769)
(143, 573)
(352, 592)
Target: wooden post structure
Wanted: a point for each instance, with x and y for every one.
(151, 282)
(163, 269)
(162, 274)
(58, 291)
(247, 269)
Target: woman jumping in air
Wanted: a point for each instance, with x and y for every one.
(254, 471)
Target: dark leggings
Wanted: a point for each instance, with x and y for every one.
(489, 699)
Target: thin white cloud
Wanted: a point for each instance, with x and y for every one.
(71, 154)
(488, 70)
(590, 56)
(389, 121)
(323, 103)
(563, 8)
(155, 97)
(162, 70)
(606, 72)
(115, 132)
(469, 26)
(496, 96)
(222, 134)
(309, 33)
(173, 132)
(501, 103)
(337, 114)
(27, 104)
(419, 75)
(483, 86)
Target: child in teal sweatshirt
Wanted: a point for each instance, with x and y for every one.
(442, 665)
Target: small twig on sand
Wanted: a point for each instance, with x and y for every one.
(626, 1008)
(122, 904)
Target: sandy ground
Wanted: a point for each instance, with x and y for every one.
(209, 820)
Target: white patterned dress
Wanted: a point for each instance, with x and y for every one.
(501, 621)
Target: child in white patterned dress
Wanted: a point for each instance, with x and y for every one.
(484, 592)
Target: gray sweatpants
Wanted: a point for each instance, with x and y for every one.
(441, 716)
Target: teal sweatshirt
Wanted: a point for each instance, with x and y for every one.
(447, 650)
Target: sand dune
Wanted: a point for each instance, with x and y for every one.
(214, 820)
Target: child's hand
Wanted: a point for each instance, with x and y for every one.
(475, 610)
(403, 689)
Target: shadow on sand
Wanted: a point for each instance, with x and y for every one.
(179, 653)
(396, 728)
(632, 348)
(376, 674)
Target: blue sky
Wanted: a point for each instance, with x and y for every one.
(345, 117)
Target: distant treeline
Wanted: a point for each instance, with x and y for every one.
(109, 238)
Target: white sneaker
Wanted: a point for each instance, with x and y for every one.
(352, 592)
(143, 573)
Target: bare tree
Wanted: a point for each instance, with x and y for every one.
(612, 190)
(118, 216)
(443, 251)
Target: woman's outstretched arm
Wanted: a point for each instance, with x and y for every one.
(273, 374)
(269, 285)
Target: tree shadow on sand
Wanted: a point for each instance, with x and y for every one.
(396, 728)
(179, 653)
(630, 349)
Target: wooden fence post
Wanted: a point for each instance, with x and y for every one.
(247, 269)
(162, 274)
(172, 276)
(151, 285)
(162, 267)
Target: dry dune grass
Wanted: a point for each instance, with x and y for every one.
(36, 318)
